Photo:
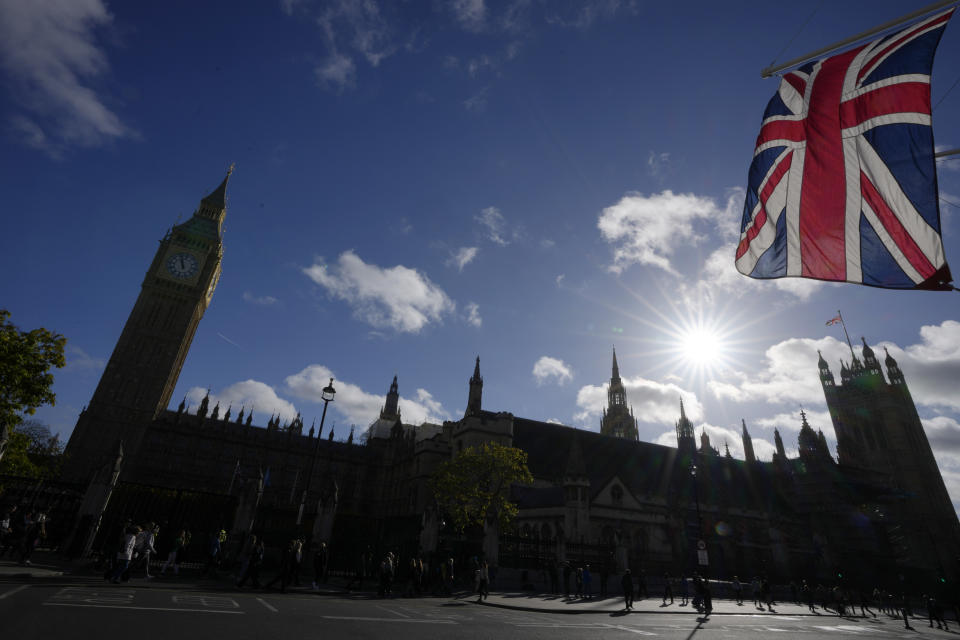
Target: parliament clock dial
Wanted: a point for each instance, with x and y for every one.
(182, 265)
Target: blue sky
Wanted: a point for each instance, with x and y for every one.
(419, 183)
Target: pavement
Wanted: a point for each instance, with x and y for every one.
(48, 567)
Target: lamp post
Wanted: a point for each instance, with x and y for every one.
(327, 396)
(701, 545)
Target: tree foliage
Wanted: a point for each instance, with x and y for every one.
(26, 358)
(32, 452)
(474, 486)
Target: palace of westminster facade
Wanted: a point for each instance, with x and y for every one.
(879, 507)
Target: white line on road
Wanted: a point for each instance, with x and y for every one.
(13, 591)
(267, 605)
(396, 613)
(622, 628)
(369, 619)
(119, 606)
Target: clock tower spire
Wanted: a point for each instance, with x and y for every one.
(142, 372)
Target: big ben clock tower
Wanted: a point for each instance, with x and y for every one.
(143, 369)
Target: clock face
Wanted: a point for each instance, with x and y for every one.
(182, 265)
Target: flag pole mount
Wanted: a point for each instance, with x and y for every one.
(769, 71)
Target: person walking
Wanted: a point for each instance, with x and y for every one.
(578, 582)
(755, 591)
(295, 561)
(667, 589)
(737, 591)
(626, 584)
(321, 557)
(587, 583)
(807, 594)
(566, 578)
(213, 555)
(685, 590)
(283, 575)
(175, 549)
(864, 603)
(253, 563)
(484, 589)
(124, 555)
(905, 607)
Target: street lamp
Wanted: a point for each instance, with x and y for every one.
(327, 396)
(696, 497)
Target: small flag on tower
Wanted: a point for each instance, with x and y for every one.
(843, 183)
(834, 320)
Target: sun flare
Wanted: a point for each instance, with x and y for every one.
(701, 346)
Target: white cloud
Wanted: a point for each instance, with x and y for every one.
(493, 220)
(789, 374)
(80, 360)
(473, 315)
(653, 402)
(590, 11)
(260, 300)
(462, 257)
(548, 369)
(658, 164)
(720, 274)
(647, 229)
(478, 101)
(470, 14)
(559, 280)
(931, 368)
(337, 72)
(49, 50)
(397, 297)
(360, 407)
(255, 396)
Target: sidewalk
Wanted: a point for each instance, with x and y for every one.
(612, 604)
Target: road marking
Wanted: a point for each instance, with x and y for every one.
(622, 628)
(267, 605)
(118, 606)
(396, 613)
(370, 619)
(212, 602)
(7, 594)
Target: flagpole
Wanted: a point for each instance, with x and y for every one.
(948, 152)
(844, 325)
(769, 71)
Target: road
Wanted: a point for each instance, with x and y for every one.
(88, 610)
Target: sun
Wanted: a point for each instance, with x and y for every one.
(701, 346)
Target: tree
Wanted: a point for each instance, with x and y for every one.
(474, 486)
(32, 452)
(25, 379)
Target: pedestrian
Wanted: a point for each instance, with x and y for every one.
(144, 549)
(253, 563)
(667, 589)
(793, 592)
(484, 588)
(935, 614)
(283, 575)
(386, 576)
(706, 597)
(360, 571)
(295, 561)
(587, 583)
(642, 585)
(34, 530)
(807, 594)
(905, 606)
(864, 603)
(840, 598)
(213, 555)
(124, 554)
(765, 594)
(755, 591)
(738, 591)
(566, 578)
(578, 581)
(176, 548)
(685, 591)
(626, 583)
(6, 528)
(320, 558)
(604, 576)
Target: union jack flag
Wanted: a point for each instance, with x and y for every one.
(843, 184)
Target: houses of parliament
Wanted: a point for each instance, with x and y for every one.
(877, 508)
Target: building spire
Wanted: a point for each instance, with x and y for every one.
(218, 197)
(748, 453)
(616, 369)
